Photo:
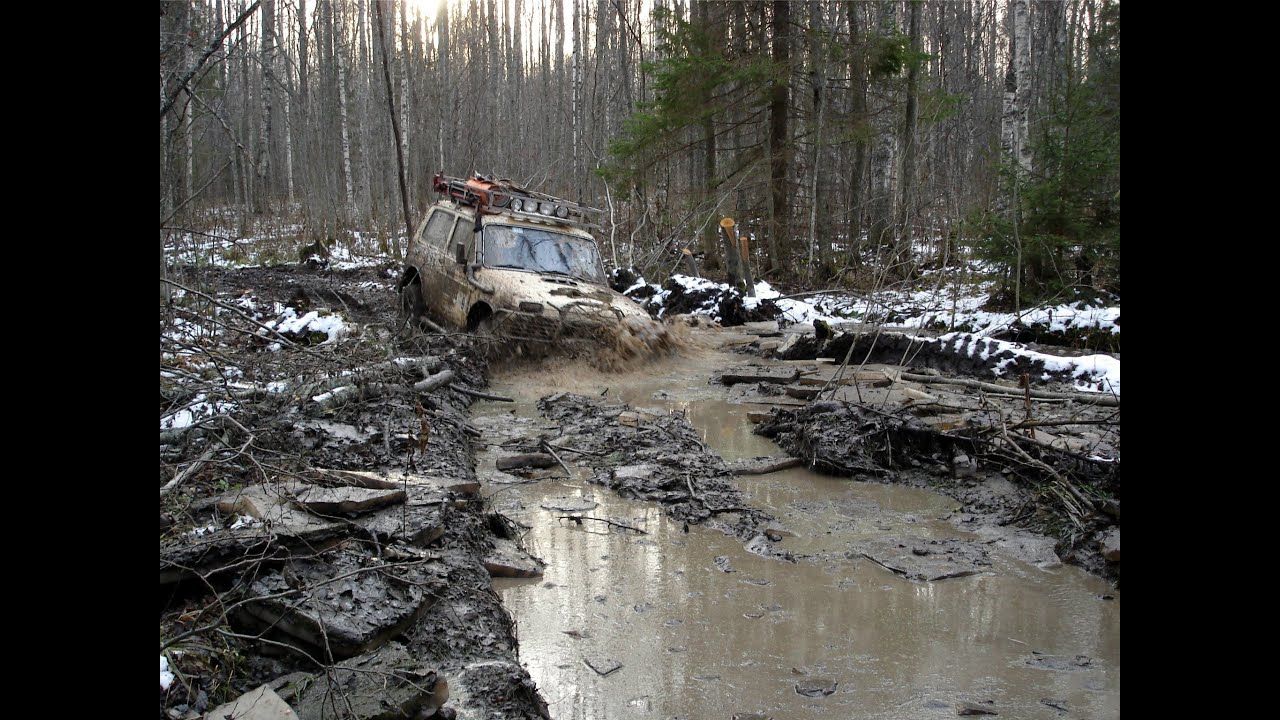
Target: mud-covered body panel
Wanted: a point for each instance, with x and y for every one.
(520, 303)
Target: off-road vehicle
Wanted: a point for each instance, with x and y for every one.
(496, 259)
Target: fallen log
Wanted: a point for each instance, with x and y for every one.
(764, 466)
(354, 393)
(537, 460)
(1086, 398)
(482, 396)
(731, 378)
(803, 393)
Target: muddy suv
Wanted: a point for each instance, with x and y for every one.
(492, 258)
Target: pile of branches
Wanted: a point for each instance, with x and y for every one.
(1068, 494)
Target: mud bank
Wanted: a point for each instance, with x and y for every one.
(321, 529)
(1052, 469)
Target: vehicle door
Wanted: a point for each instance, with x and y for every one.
(442, 277)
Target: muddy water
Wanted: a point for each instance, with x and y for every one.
(697, 642)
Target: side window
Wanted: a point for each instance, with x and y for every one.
(437, 232)
(464, 234)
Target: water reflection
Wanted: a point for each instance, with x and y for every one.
(697, 642)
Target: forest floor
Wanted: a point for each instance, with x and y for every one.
(321, 529)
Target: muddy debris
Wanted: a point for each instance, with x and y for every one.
(958, 353)
(507, 559)
(341, 601)
(529, 460)
(1062, 663)
(387, 684)
(921, 559)
(658, 458)
(345, 500)
(324, 533)
(1001, 477)
(570, 504)
(816, 687)
(986, 707)
(603, 666)
(724, 303)
(261, 703)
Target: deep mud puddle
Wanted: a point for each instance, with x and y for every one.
(683, 621)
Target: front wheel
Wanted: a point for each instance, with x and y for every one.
(412, 306)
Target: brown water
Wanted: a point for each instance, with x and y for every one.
(696, 642)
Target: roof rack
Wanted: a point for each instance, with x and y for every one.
(502, 195)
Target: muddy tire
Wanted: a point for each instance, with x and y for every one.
(412, 306)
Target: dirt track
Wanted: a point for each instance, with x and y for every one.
(462, 633)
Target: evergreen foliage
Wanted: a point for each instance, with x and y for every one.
(1065, 217)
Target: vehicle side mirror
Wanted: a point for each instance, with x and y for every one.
(460, 253)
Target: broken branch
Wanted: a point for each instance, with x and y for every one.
(579, 518)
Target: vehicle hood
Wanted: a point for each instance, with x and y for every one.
(555, 291)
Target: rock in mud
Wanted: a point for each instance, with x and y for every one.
(816, 687)
(261, 703)
(1110, 543)
(508, 559)
(969, 708)
(603, 665)
(927, 560)
(345, 500)
(1027, 546)
(420, 521)
(497, 689)
(1054, 703)
(341, 601)
(528, 460)
(271, 504)
(381, 685)
(190, 556)
(1065, 663)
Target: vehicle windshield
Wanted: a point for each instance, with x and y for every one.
(539, 250)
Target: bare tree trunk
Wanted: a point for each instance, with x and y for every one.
(883, 154)
(445, 104)
(819, 78)
(1014, 123)
(188, 115)
(861, 156)
(906, 215)
(246, 127)
(779, 155)
(404, 65)
(576, 106)
(262, 196)
(710, 231)
(288, 146)
(383, 21)
(340, 54)
(364, 139)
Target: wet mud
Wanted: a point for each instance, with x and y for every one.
(664, 562)
(338, 550)
(685, 621)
